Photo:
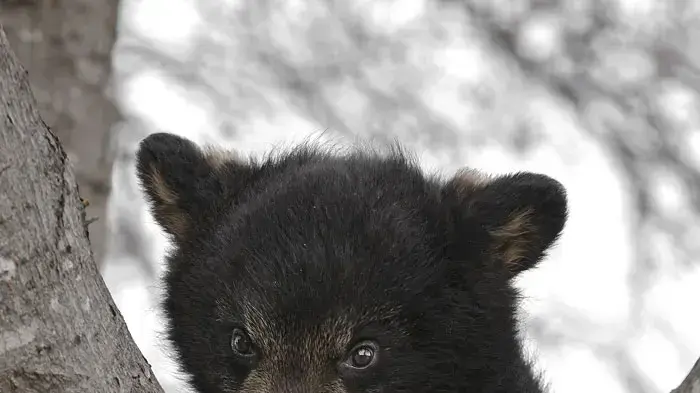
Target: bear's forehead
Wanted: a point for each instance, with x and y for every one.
(295, 270)
(310, 300)
(314, 283)
(303, 236)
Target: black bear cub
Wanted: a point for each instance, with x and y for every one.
(324, 270)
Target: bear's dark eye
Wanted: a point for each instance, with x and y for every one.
(241, 343)
(363, 355)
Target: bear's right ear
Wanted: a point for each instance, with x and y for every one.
(523, 214)
(183, 183)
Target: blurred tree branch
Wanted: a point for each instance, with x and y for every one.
(66, 46)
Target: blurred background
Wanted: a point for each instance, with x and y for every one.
(600, 94)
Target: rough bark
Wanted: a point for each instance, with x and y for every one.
(691, 384)
(66, 47)
(60, 330)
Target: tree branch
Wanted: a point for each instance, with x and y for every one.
(60, 330)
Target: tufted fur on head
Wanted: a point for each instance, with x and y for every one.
(310, 252)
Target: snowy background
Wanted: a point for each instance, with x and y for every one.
(601, 95)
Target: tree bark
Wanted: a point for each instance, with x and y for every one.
(60, 330)
(691, 384)
(66, 46)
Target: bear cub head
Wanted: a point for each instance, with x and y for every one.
(316, 270)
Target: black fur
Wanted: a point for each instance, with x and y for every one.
(310, 235)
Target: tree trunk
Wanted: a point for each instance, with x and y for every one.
(691, 384)
(60, 330)
(66, 46)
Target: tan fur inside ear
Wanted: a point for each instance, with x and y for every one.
(165, 207)
(175, 221)
(468, 180)
(513, 239)
(160, 189)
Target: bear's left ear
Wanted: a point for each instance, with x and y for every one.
(183, 183)
(522, 214)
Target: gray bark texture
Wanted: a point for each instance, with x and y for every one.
(60, 330)
(691, 384)
(66, 46)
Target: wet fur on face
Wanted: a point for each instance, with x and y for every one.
(311, 251)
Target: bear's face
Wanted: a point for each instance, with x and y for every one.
(314, 272)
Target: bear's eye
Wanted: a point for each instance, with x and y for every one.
(241, 343)
(363, 355)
